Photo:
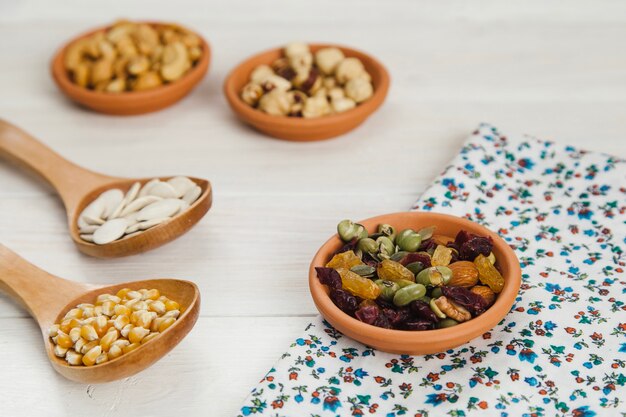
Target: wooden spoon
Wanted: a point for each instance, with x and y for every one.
(78, 187)
(47, 298)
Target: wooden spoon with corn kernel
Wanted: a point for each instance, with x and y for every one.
(48, 298)
(78, 187)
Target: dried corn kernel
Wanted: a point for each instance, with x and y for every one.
(73, 358)
(89, 358)
(117, 324)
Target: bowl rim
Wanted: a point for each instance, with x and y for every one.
(259, 117)
(62, 79)
(506, 298)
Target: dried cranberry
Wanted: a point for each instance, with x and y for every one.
(470, 245)
(328, 276)
(348, 246)
(398, 317)
(383, 322)
(416, 257)
(369, 260)
(418, 325)
(382, 303)
(428, 245)
(474, 303)
(368, 314)
(421, 310)
(346, 302)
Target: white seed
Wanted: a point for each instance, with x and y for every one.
(163, 190)
(163, 208)
(138, 204)
(151, 223)
(132, 228)
(111, 199)
(146, 188)
(110, 231)
(132, 193)
(87, 238)
(118, 210)
(181, 185)
(89, 229)
(92, 220)
(95, 209)
(192, 195)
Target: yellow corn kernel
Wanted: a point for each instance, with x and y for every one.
(163, 299)
(64, 340)
(89, 358)
(88, 332)
(139, 305)
(101, 325)
(166, 324)
(130, 303)
(145, 319)
(134, 317)
(75, 334)
(120, 322)
(122, 293)
(78, 346)
(108, 339)
(53, 330)
(171, 305)
(73, 358)
(130, 348)
(114, 352)
(88, 346)
(83, 306)
(133, 295)
(120, 343)
(172, 313)
(69, 324)
(75, 313)
(137, 334)
(88, 312)
(124, 332)
(108, 308)
(158, 307)
(103, 357)
(97, 311)
(121, 310)
(149, 337)
(102, 298)
(152, 294)
(60, 351)
(154, 327)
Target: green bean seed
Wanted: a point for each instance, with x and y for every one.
(409, 293)
(387, 289)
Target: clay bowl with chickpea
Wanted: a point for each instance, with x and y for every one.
(414, 283)
(307, 92)
(131, 68)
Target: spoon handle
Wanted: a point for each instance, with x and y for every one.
(42, 294)
(71, 181)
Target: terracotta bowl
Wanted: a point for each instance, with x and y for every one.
(299, 129)
(428, 341)
(131, 102)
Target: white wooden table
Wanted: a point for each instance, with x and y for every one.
(557, 71)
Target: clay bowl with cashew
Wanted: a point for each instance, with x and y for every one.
(301, 129)
(129, 102)
(420, 342)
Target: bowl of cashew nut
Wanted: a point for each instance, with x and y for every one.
(306, 92)
(131, 67)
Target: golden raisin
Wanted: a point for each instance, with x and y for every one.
(357, 285)
(393, 271)
(345, 260)
(488, 274)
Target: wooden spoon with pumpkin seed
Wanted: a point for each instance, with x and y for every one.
(79, 187)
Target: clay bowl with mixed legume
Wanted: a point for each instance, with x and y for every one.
(147, 69)
(414, 283)
(302, 128)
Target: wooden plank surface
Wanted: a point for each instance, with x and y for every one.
(555, 70)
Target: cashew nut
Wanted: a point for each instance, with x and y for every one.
(175, 61)
(147, 81)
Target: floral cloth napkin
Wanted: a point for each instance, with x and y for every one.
(561, 351)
